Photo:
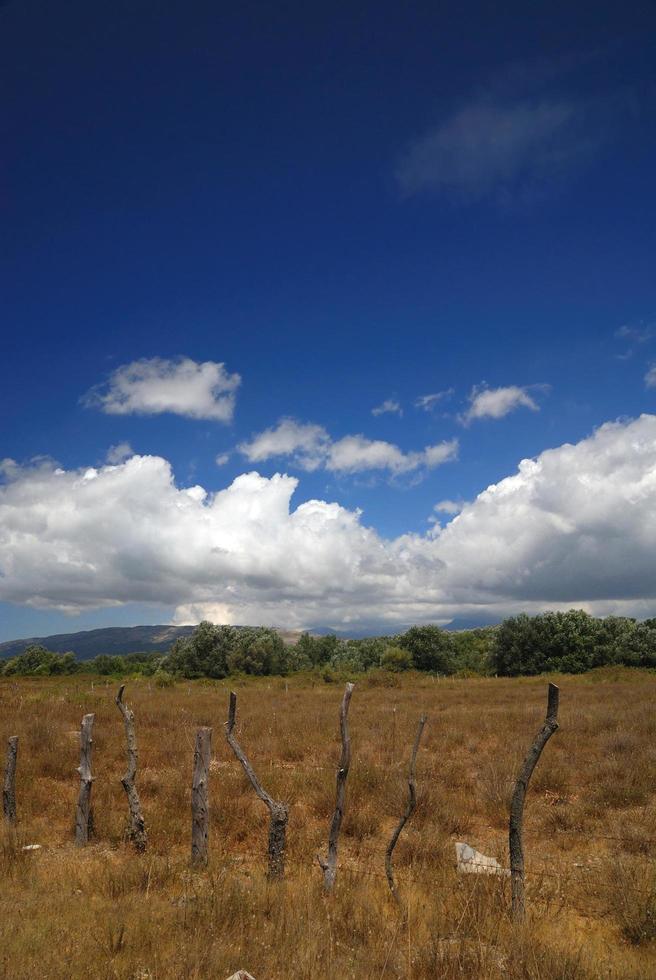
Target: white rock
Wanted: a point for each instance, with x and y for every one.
(31, 847)
(241, 975)
(471, 861)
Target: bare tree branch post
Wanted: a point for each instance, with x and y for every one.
(9, 788)
(200, 811)
(137, 825)
(84, 814)
(329, 866)
(409, 810)
(278, 811)
(517, 805)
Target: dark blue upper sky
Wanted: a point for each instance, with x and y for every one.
(345, 204)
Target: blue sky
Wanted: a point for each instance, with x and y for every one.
(346, 205)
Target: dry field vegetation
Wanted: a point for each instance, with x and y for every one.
(105, 912)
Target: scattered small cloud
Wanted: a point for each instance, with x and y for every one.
(119, 453)
(650, 377)
(222, 459)
(389, 407)
(449, 506)
(634, 334)
(310, 447)
(506, 149)
(304, 443)
(496, 403)
(151, 386)
(428, 402)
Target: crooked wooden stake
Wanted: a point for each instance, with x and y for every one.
(278, 811)
(200, 813)
(329, 866)
(9, 788)
(137, 825)
(409, 810)
(84, 814)
(517, 805)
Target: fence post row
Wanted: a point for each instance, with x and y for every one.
(409, 810)
(329, 866)
(84, 814)
(137, 825)
(9, 788)
(200, 813)
(278, 811)
(515, 830)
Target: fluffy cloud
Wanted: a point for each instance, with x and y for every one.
(495, 403)
(504, 149)
(310, 447)
(576, 525)
(197, 390)
(304, 444)
(389, 407)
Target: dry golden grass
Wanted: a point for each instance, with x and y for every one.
(105, 912)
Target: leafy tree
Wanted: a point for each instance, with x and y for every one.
(431, 648)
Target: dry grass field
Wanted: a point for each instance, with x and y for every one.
(105, 912)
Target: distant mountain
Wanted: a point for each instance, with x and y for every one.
(112, 640)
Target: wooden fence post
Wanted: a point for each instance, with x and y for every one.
(278, 812)
(137, 825)
(200, 814)
(409, 810)
(9, 789)
(84, 815)
(329, 866)
(516, 844)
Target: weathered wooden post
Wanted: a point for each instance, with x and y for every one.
(84, 814)
(200, 813)
(329, 866)
(516, 844)
(137, 825)
(409, 810)
(9, 788)
(278, 811)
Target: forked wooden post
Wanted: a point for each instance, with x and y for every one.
(329, 866)
(200, 813)
(137, 824)
(409, 810)
(278, 811)
(84, 814)
(517, 805)
(9, 788)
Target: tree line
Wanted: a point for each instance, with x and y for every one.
(569, 642)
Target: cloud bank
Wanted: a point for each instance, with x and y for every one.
(575, 526)
(196, 390)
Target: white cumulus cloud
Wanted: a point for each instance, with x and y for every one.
(574, 526)
(495, 403)
(310, 447)
(195, 389)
